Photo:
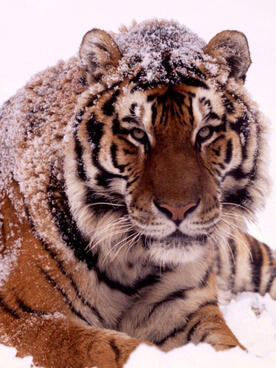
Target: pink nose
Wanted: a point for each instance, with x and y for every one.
(176, 214)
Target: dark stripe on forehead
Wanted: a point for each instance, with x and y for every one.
(193, 82)
(108, 107)
(141, 83)
(154, 113)
(117, 128)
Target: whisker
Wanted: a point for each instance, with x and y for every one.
(105, 203)
(238, 239)
(121, 230)
(125, 242)
(249, 212)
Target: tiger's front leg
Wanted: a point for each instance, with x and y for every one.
(56, 341)
(173, 318)
(37, 315)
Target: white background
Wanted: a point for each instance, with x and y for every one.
(36, 33)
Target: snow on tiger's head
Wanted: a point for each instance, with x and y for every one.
(166, 146)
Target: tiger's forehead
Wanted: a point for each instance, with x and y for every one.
(182, 103)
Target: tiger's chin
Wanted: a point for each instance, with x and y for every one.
(177, 248)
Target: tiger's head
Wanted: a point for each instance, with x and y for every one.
(165, 147)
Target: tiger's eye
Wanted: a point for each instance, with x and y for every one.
(204, 132)
(138, 134)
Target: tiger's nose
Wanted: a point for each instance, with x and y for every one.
(176, 213)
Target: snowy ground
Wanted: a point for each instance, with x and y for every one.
(36, 33)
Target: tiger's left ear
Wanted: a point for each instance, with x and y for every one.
(99, 53)
(231, 47)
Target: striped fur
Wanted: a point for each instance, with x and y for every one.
(124, 201)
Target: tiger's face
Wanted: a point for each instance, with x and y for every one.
(160, 166)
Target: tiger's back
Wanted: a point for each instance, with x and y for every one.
(89, 183)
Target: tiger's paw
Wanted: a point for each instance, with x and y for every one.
(111, 349)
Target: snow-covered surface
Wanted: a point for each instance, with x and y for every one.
(36, 33)
(8, 359)
(253, 320)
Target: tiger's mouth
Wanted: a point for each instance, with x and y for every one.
(176, 238)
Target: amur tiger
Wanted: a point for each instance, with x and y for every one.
(127, 177)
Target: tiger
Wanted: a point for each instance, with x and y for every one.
(128, 176)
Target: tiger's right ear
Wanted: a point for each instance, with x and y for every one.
(100, 53)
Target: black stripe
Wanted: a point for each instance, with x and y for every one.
(98, 77)
(229, 149)
(132, 181)
(7, 309)
(190, 110)
(205, 278)
(154, 113)
(133, 108)
(172, 79)
(130, 119)
(271, 277)
(108, 107)
(241, 196)
(218, 262)
(232, 256)
(257, 262)
(189, 81)
(164, 115)
(212, 116)
(113, 152)
(192, 330)
(27, 309)
(104, 177)
(178, 294)
(95, 132)
(115, 349)
(151, 97)
(148, 280)
(237, 173)
(80, 165)
(70, 234)
(64, 295)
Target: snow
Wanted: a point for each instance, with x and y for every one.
(147, 42)
(9, 360)
(36, 33)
